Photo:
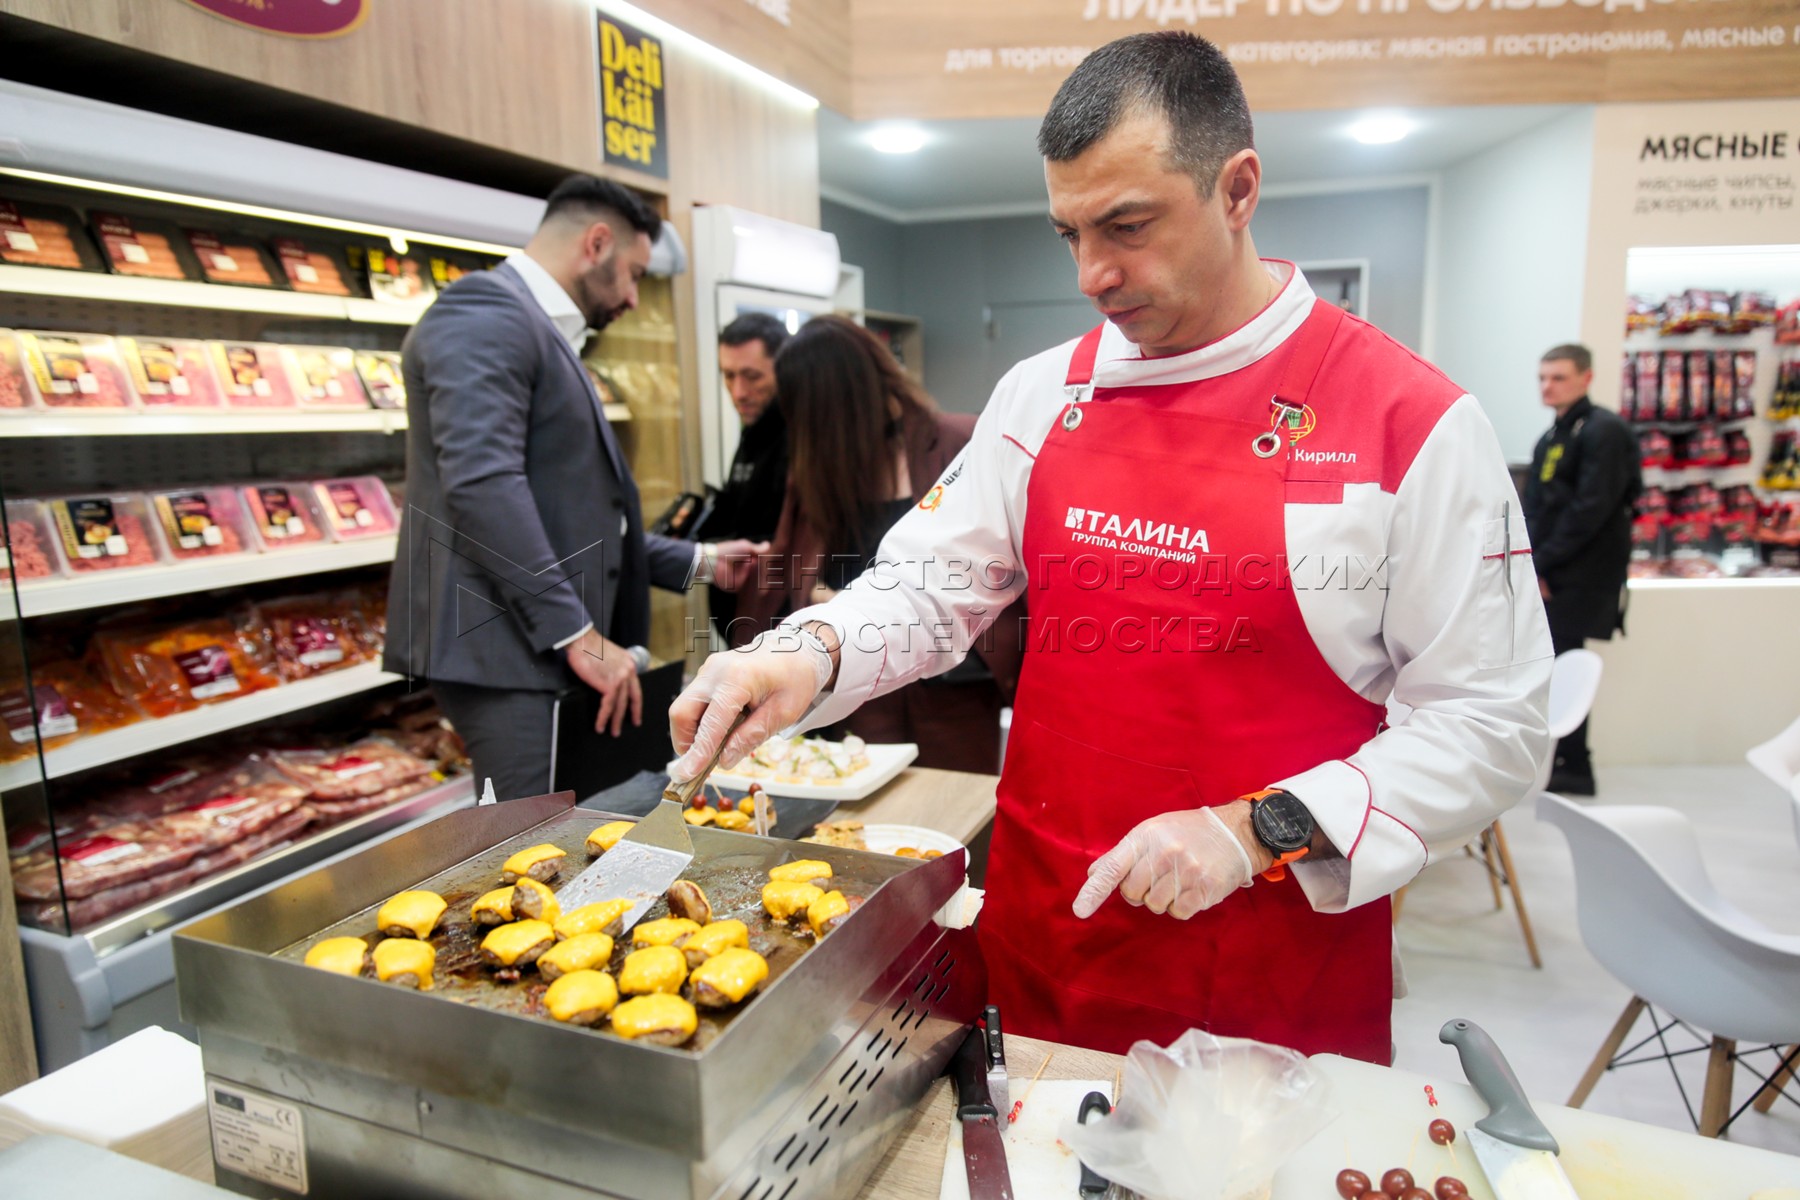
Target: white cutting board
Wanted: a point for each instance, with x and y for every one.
(1383, 1111)
(1042, 1168)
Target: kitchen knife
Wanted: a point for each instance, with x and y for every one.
(639, 868)
(1514, 1149)
(1093, 1184)
(999, 1089)
(984, 1156)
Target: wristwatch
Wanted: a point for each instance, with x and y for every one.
(1283, 825)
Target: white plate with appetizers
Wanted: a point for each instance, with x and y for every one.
(817, 769)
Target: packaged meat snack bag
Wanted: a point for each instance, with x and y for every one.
(253, 374)
(358, 507)
(30, 551)
(312, 266)
(173, 669)
(69, 703)
(1649, 376)
(45, 235)
(1724, 384)
(226, 258)
(283, 514)
(326, 377)
(1673, 392)
(104, 533)
(136, 246)
(202, 523)
(1699, 385)
(171, 372)
(311, 635)
(1743, 372)
(380, 371)
(1628, 392)
(366, 768)
(75, 370)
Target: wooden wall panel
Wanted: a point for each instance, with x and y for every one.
(811, 50)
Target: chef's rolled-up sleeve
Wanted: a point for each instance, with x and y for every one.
(1465, 631)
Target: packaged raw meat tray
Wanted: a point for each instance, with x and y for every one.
(311, 635)
(313, 266)
(170, 669)
(232, 258)
(15, 392)
(137, 246)
(380, 371)
(171, 372)
(366, 768)
(75, 370)
(284, 514)
(253, 374)
(356, 508)
(104, 533)
(325, 377)
(45, 235)
(70, 703)
(30, 551)
(202, 523)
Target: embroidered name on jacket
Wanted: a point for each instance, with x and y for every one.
(1301, 454)
(1111, 532)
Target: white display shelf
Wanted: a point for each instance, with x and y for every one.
(126, 423)
(147, 583)
(180, 293)
(115, 745)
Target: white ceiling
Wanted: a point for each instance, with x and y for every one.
(991, 166)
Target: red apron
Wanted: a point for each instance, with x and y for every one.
(1169, 668)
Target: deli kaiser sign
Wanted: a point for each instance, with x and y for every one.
(632, 112)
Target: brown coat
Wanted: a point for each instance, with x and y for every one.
(956, 725)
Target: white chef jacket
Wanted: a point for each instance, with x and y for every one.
(1456, 644)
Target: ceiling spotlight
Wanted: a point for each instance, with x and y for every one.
(896, 139)
(1380, 130)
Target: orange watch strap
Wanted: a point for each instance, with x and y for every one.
(1278, 869)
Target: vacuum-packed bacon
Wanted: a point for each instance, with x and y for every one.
(370, 766)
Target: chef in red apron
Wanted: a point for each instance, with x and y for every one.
(1284, 647)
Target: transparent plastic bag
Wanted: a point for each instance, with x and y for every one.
(1205, 1119)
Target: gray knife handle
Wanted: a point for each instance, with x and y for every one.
(1510, 1117)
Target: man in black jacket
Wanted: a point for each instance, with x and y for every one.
(749, 505)
(1584, 477)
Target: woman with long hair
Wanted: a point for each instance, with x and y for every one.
(865, 445)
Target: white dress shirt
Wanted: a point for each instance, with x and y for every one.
(1452, 635)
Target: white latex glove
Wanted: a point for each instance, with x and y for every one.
(776, 677)
(1177, 863)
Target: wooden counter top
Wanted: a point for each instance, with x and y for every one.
(952, 802)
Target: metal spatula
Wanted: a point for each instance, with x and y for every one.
(642, 865)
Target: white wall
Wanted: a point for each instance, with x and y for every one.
(1511, 250)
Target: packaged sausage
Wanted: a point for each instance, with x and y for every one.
(310, 635)
(380, 371)
(356, 508)
(69, 703)
(202, 523)
(283, 514)
(30, 554)
(1649, 378)
(253, 374)
(366, 768)
(1743, 371)
(1699, 385)
(313, 266)
(229, 258)
(171, 372)
(170, 669)
(45, 235)
(1673, 390)
(136, 246)
(104, 533)
(75, 370)
(326, 377)
(397, 278)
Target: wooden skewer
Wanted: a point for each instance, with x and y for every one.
(1411, 1151)
(1019, 1104)
(1118, 1081)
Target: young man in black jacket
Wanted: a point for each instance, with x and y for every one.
(1578, 497)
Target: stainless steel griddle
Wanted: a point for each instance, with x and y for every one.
(470, 1091)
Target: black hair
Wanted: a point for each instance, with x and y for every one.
(589, 198)
(1185, 78)
(1572, 352)
(755, 327)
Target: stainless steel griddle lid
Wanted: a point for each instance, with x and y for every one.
(679, 1101)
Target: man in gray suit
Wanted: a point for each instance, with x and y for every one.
(524, 564)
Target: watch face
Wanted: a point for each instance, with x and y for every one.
(1282, 823)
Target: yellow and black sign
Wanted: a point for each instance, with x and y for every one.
(632, 113)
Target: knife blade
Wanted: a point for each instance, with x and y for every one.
(1515, 1151)
(639, 868)
(984, 1155)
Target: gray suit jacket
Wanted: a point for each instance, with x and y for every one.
(521, 522)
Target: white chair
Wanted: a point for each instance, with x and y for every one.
(1779, 759)
(1650, 914)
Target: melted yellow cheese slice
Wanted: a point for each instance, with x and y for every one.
(591, 918)
(831, 904)
(587, 995)
(515, 867)
(783, 900)
(713, 938)
(663, 932)
(607, 836)
(509, 943)
(410, 914)
(583, 952)
(401, 956)
(737, 822)
(806, 870)
(657, 1015)
(532, 901)
(733, 973)
(699, 816)
(654, 969)
(343, 955)
(493, 908)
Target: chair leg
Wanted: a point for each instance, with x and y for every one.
(1493, 868)
(1608, 1048)
(1715, 1108)
(1771, 1091)
(1512, 882)
(1399, 900)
